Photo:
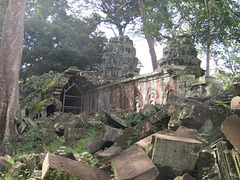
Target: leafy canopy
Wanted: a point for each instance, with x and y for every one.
(55, 40)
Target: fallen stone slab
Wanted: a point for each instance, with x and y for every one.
(133, 163)
(186, 176)
(109, 133)
(77, 133)
(186, 132)
(159, 116)
(231, 129)
(115, 121)
(146, 129)
(235, 102)
(147, 110)
(126, 138)
(207, 168)
(36, 175)
(93, 147)
(145, 143)
(109, 152)
(72, 168)
(227, 160)
(190, 112)
(179, 153)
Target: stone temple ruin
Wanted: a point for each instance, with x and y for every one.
(176, 92)
(119, 59)
(182, 52)
(77, 91)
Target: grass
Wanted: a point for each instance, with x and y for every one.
(77, 146)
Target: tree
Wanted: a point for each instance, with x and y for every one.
(212, 22)
(157, 23)
(209, 22)
(227, 57)
(150, 40)
(120, 13)
(10, 59)
(61, 42)
(3, 7)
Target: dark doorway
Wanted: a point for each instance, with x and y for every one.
(72, 98)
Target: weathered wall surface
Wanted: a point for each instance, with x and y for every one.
(134, 93)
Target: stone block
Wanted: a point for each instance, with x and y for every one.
(77, 133)
(126, 138)
(133, 163)
(159, 116)
(146, 129)
(93, 147)
(186, 176)
(230, 128)
(109, 133)
(190, 112)
(145, 143)
(186, 132)
(36, 175)
(226, 159)
(115, 121)
(179, 153)
(72, 168)
(235, 102)
(148, 110)
(206, 165)
(109, 152)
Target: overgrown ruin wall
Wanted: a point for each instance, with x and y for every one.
(134, 93)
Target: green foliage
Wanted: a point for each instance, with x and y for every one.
(56, 175)
(51, 83)
(76, 147)
(159, 19)
(227, 58)
(213, 25)
(226, 79)
(8, 176)
(220, 106)
(89, 157)
(37, 107)
(54, 40)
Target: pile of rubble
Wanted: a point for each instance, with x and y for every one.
(182, 140)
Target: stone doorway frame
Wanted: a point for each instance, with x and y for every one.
(76, 97)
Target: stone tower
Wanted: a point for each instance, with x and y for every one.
(182, 52)
(119, 59)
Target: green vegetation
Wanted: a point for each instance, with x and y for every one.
(56, 175)
(37, 107)
(220, 106)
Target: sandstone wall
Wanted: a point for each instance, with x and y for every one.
(134, 93)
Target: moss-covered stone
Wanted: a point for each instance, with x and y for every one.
(37, 107)
(182, 52)
(119, 59)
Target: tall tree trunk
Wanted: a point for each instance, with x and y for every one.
(208, 8)
(10, 59)
(149, 39)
